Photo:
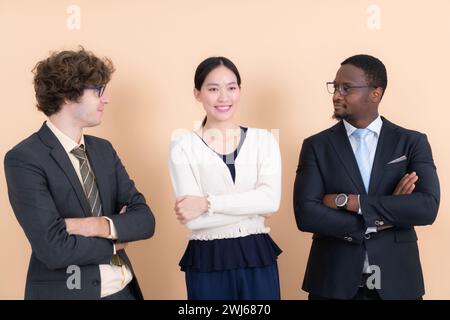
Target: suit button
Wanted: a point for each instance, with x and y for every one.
(349, 239)
(379, 222)
(367, 236)
(95, 283)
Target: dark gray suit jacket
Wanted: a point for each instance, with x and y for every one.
(327, 165)
(44, 189)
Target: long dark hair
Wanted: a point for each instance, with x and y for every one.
(208, 65)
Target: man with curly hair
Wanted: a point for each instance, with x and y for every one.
(70, 192)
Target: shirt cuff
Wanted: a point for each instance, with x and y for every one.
(359, 206)
(370, 229)
(112, 230)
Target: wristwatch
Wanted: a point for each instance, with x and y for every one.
(341, 201)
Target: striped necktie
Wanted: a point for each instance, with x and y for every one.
(90, 186)
(91, 190)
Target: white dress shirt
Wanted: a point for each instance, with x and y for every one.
(371, 141)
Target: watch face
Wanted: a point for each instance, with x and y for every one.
(341, 200)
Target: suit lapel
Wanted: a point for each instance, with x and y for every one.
(60, 156)
(101, 174)
(341, 143)
(385, 148)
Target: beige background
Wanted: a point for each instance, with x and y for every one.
(285, 51)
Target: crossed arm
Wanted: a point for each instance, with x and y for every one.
(135, 220)
(101, 227)
(36, 211)
(405, 186)
(60, 242)
(413, 202)
(191, 204)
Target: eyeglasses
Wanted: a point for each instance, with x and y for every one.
(344, 89)
(100, 89)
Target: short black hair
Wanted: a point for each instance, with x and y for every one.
(374, 69)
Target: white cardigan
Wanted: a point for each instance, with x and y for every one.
(236, 209)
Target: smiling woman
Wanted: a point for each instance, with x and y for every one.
(227, 179)
(217, 95)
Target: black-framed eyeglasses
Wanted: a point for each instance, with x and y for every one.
(344, 89)
(100, 89)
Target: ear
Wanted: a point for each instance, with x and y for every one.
(66, 103)
(197, 94)
(376, 95)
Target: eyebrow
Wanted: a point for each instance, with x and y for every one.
(346, 83)
(216, 84)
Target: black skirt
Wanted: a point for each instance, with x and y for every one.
(257, 250)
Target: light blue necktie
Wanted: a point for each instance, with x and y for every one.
(362, 155)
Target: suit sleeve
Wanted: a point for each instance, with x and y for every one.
(416, 209)
(311, 214)
(138, 223)
(43, 225)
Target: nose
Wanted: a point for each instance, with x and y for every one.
(337, 96)
(104, 98)
(222, 94)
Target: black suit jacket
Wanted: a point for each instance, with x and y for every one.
(327, 165)
(44, 189)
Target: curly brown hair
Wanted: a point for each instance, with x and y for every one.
(62, 75)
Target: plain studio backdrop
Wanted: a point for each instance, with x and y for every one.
(285, 52)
